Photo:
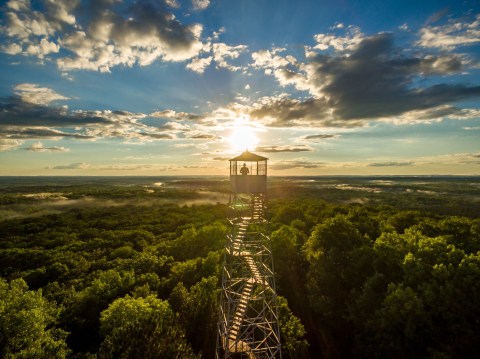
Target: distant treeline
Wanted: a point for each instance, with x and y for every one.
(142, 281)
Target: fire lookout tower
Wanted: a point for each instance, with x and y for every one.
(248, 318)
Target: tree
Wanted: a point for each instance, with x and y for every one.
(290, 266)
(292, 332)
(422, 300)
(142, 328)
(27, 324)
(82, 318)
(340, 260)
(198, 308)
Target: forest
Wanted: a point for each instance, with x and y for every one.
(364, 267)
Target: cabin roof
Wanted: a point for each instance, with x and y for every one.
(249, 156)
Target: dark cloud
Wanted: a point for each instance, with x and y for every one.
(15, 112)
(201, 136)
(372, 79)
(299, 148)
(158, 136)
(286, 112)
(27, 120)
(391, 164)
(37, 133)
(148, 20)
(377, 81)
(319, 137)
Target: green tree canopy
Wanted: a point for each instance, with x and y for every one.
(142, 328)
(26, 324)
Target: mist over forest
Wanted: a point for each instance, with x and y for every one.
(130, 267)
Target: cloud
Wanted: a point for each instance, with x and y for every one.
(121, 167)
(200, 4)
(195, 167)
(287, 165)
(157, 136)
(11, 49)
(172, 3)
(33, 32)
(39, 147)
(299, 148)
(216, 34)
(184, 145)
(174, 115)
(375, 81)
(451, 35)
(110, 35)
(22, 132)
(175, 126)
(198, 135)
(32, 93)
(222, 51)
(128, 167)
(27, 115)
(7, 144)
(437, 16)
(72, 166)
(450, 159)
(391, 164)
(352, 38)
(368, 79)
(269, 59)
(319, 137)
(435, 114)
(287, 112)
(18, 4)
(15, 112)
(199, 64)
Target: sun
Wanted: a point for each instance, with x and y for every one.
(243, 135)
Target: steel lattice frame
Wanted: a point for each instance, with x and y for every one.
(248, 319)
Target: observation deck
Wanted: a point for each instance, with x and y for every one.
(248, 173)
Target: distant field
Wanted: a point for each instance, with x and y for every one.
(32, 196)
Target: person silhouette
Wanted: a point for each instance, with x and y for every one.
(244, 170)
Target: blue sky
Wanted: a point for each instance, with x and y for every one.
(111, 87)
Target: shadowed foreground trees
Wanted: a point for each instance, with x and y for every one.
(381, 282)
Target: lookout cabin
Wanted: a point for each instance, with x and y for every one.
(248, 173)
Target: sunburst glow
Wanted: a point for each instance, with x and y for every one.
(243, 135)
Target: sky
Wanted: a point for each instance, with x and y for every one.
(340, 87)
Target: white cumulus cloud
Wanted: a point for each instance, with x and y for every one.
(200, 4)
(33, 93)
(199, 64)
(222, 52)
(455, 33)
